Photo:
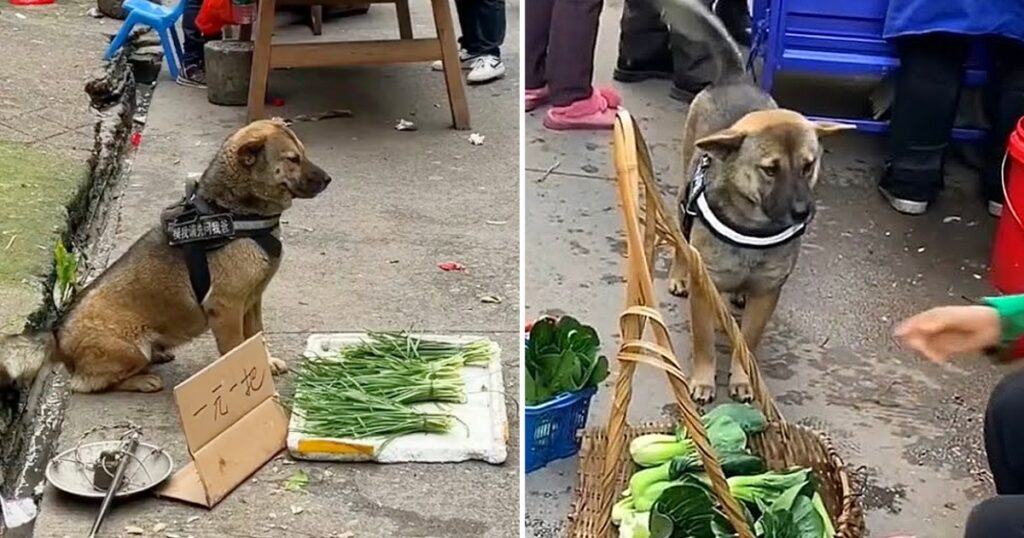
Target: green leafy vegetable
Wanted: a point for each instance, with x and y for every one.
(683, 511)
(562, 356)
(751, 419)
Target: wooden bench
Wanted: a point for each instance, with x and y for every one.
(407, 49)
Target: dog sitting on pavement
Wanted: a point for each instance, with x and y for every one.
(205, 267)
(747, 195)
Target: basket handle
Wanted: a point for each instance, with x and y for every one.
(639, 315)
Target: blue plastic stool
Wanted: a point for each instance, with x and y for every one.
(161, 19)
(838, 38)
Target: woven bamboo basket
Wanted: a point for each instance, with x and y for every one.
(605, 465)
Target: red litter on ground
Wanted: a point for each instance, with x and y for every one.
(277, 102)
(451, 266)
(136, 139)
(31, 2)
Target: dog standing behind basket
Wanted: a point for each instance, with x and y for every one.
(605, 463)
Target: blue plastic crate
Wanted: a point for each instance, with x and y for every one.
(551, 427)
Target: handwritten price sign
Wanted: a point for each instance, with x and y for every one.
(223, 392)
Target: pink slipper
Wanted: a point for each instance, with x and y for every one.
(539, 97)
(536, 98)
(594, 112)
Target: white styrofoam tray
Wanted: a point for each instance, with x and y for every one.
(480, 431)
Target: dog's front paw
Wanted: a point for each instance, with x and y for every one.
(677, 287)
(741, 391)
(161, 356)
(142, 383)
(702, 392)
(278, 366)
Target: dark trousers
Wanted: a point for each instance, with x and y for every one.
(1003, 516)
(644, 39)
(928, 87)
(483, 26)
(192, 45)
(560, 40)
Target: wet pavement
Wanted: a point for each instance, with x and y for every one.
(363, 255)
(913, 428)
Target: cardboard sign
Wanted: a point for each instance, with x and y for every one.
(232, 422)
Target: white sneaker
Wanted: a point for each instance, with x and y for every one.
(465, 58)
(485, 69)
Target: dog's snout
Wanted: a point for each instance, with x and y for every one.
(801, 210)
(327, 180)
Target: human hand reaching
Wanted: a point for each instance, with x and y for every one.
(947, 331)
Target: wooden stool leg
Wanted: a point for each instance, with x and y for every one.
(261, 59)
(317, 14)
(404, 19)
(452, 67)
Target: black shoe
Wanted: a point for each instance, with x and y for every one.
(638, 71)
(684, 95)
(902, 197)
(193, 76)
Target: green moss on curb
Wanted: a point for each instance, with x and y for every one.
(36, 188)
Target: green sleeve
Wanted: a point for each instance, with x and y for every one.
(1011, 315)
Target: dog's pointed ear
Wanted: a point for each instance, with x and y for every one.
(249, 150)
(722, 143)
(825, 128)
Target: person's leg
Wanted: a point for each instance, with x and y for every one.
(538, 30)
(692, 65)
(1004, 436)
(643, 43)
(490, 15)
(491, 23)
(570, 67)
(469, 25)
(193, 66)
(927, 91)
(576, 103)
(998, 517)
(735, 15)
(469, 40)
(1006, 109)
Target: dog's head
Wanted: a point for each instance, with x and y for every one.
(771, 161)
(267, 166)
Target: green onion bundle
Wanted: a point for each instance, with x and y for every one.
(403, 345)
(366, 389)
(403, 382)
(353, 413)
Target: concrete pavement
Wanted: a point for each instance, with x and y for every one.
(363, 255)
(827, 354)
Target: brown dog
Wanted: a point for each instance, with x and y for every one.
(747, 195)
(151, 300)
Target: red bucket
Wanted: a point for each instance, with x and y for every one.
(1008, 251)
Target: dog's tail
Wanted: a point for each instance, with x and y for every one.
(692, 19)
(23, 356)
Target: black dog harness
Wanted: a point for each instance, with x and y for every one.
(199, 227)
(695, 206)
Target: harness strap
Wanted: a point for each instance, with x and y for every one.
(199, 227)
(695, 205)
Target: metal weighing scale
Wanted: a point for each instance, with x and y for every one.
(109, 469)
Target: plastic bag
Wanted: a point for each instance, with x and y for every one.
(213, 16)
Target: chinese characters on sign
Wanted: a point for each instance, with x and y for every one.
(251, 382)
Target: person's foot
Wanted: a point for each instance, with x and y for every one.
(995, 208)
(903, 205)
(638, 71)
(593, 113)
(465, 58)
(684, 95)
(535, 98)
(193, 76)
(485, 69)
